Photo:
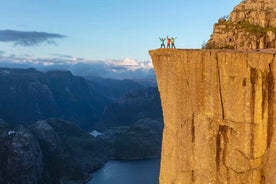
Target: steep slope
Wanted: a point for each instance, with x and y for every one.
(69, 153)
(219, 114)
(141, 140)
(131, 107)
(27, 95)
(51, 151)
(20, 156)
(251, 25)
(111, 88)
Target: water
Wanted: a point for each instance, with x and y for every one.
(128, 172)
(95, 133)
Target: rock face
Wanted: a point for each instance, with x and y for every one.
(251, 25)
(20, 156)
(219, 113)
(69, 153)
(51, 151)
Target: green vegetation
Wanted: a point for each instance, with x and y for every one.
(255, 29)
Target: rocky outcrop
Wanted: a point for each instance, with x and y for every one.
(219, 113)
(20, 156)
(51, 151)
(69, 153)
(251, 25)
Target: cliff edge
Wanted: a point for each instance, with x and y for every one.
(219, 112)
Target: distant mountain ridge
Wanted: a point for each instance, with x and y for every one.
(57, 151)
(131, 107)
(27, 95)
(113, 89)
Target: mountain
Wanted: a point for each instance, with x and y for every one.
(50, 151)
(131, 107)
(20, 155)
(58, 151)
(27, 95)
(113, 89)
(138, 141)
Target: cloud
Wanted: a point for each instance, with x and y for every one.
(129, 64)
(2, 52)
(117, 69)
(28, 38)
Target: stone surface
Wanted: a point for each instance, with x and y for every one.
(69, 153)
(51, 151)
(251, 25)
(20, 156)
(219, 115)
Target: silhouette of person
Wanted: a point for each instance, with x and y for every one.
(172, 40)
(162, 42)
(168, 42)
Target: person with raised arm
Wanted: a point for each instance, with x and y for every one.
(172, 40)
(162, 42)
(168, 42)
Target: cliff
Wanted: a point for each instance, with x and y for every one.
(220, 116)
(20, 156)
(251, 25)
(51, 151)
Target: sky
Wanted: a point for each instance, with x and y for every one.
(119, 32)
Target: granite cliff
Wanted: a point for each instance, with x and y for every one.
(219, 106)
(220, 115)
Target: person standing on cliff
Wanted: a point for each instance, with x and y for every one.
(172, 40)
(162, 42)
(168, 42)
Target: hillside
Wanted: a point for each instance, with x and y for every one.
(27, 95)
(131, 107)
(51, 151)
